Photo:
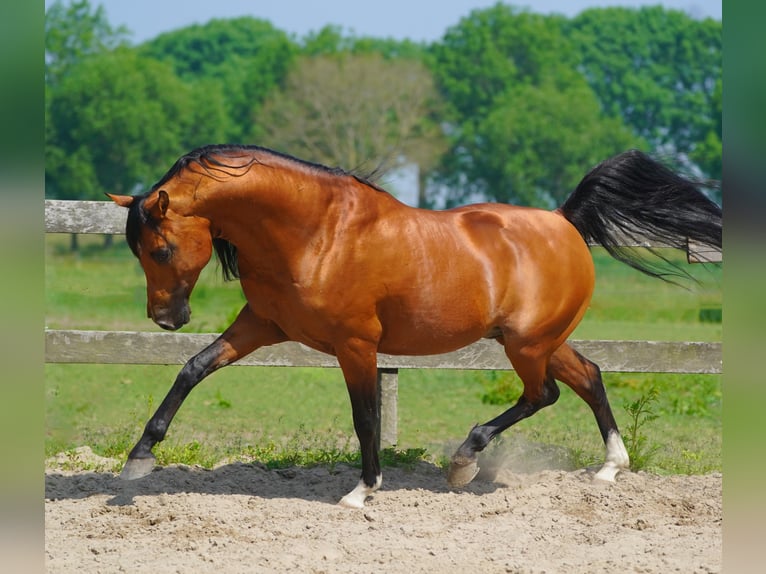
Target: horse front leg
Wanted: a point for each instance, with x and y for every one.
(358, 361)
(243, 336)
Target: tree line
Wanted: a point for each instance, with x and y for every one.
(508, 105)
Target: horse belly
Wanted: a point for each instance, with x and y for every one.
(432, 329)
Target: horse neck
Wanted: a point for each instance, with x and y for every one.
(271, 204)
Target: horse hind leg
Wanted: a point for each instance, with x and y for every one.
(584, 378)
(540, 390)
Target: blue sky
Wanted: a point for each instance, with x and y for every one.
(419, 20)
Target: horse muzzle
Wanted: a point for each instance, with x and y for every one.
(169, 318)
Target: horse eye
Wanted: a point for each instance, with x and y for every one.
(161, 255)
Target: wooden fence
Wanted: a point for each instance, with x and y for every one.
(163, 348)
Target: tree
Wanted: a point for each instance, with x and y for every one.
(361, 112)
(492, 49)
(538, 142)
(524, 124)
(332, 41)
(74, 32)
(708, 154)
(658, 69)
(118, 121)
(245, 57)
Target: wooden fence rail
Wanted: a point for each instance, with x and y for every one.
(161, 348)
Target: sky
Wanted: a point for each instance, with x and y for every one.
(417, 20)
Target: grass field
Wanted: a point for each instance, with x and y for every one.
(277, 413)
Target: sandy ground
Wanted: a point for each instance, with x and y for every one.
(245, 518)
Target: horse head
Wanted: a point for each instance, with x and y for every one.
(172, 250)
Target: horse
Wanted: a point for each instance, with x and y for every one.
(333, 261)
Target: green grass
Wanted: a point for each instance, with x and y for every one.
(284, 416)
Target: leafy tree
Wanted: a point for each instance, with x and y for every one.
(245, 57)
(118, 122)
(73, 33)
(657, 69)
(708, 154)
(356, 111)
(524, 125)
(490, 50)
(331, 40)
(537, 143)
(76, 31)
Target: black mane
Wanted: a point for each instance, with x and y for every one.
(137, 218)
(209, 159)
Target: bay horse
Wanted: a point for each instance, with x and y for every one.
(333, 261)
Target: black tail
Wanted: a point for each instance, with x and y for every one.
(631, 198)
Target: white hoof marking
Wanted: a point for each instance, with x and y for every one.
(607, 473)
(356, 498)
(616, 458)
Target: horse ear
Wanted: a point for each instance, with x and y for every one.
(157, 205)
(121, 200)
(162, 202)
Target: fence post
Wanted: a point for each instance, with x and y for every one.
(388, 389)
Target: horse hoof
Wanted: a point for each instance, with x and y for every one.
(462, 471)
(350, 501)
(356, 498)
(137, 468)
(607, 473)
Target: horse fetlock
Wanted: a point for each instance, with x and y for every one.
(616, 459)
(155, 431)
(616, 453)
(477, 441)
